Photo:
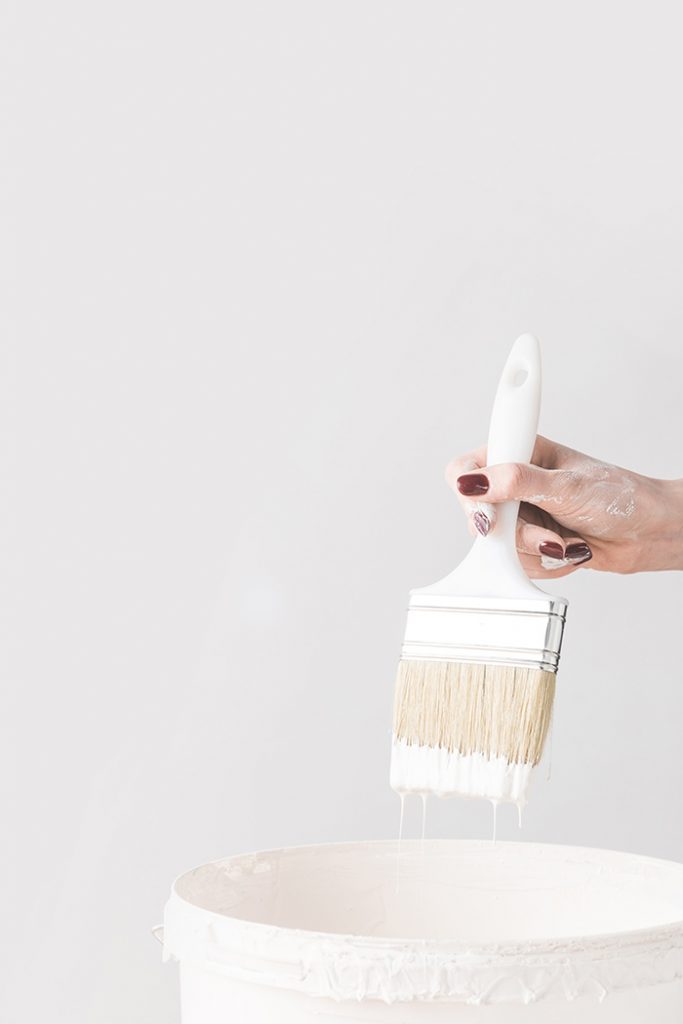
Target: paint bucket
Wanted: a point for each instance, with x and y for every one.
(444, 931)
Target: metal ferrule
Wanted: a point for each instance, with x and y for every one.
(491, 630)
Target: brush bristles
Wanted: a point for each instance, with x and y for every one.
(493, 710)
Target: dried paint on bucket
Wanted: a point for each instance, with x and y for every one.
(291, 934)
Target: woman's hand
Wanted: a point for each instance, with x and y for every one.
(575, 511)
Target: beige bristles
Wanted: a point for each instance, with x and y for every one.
(494, 710)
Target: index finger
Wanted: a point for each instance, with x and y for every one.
(476, 459)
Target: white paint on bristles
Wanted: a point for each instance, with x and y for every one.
(417, 768)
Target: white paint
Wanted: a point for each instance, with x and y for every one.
(624, 506)
(423, 769)
(305, 275)
(398, 845)
(550, 564)
(551, 731)
(544, 499)
(530, 932)
(488, 509)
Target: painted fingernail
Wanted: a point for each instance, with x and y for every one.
(482, 522)
(551, 549)
(578, 553)
(552, 556)
(473, 483)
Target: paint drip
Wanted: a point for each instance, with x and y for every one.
(398, 845)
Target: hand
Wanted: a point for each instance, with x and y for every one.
(575, 511)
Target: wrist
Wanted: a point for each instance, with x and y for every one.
(664, 548)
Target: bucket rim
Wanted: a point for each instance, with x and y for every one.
(507, 951)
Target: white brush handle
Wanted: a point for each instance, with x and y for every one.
(513, 427)
(492, 567)
(514, 418)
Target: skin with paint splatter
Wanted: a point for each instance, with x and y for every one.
(576, 511)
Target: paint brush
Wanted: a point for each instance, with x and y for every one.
(476, 680)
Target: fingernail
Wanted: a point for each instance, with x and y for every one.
(578, 553)
(473, 483)
(551, 549)
(482, 522)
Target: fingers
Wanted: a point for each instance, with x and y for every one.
(547, 454)
(534, 569)
(480, 516)
(532, 539)
(464, 464)
(553, 490)
(544, 552)
(538, 541)
(551, 552)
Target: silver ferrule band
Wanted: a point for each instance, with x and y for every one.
(491, 632)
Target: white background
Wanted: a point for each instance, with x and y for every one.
(262, 264)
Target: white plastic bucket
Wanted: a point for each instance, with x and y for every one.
(444, 931)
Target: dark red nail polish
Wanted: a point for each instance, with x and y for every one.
(473, 483)
(551, 549)
(482, 522)
(578, 553)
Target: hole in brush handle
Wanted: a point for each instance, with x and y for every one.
(514, 417)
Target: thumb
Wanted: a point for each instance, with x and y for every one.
(549, 489)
